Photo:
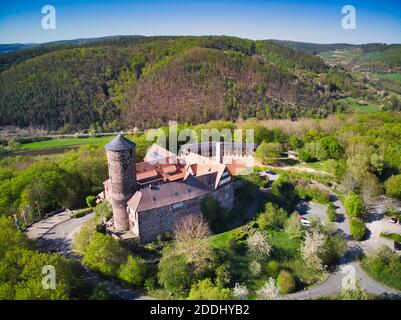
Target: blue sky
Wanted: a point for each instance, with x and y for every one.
(309, 21)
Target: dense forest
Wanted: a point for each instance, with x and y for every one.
(144, 81)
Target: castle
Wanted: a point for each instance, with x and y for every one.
(148, 197)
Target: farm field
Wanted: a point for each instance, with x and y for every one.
(357, 107)
(65, 142)
(389, 76)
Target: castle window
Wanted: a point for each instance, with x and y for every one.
(178, 205)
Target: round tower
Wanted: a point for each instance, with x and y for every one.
(122, 174)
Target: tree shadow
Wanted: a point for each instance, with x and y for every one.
(56, 245)
(303, 207)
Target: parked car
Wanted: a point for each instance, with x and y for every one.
(305, 222)
(393, 220)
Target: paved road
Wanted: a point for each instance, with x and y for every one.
(39, 228)
(59, 237)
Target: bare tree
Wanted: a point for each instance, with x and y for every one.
(191, 239)
(191, 227)
(371, 188)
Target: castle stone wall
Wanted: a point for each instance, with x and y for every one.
(159, 220)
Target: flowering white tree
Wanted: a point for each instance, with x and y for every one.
(312, 248)
(269, 291)
(255, 268)
(240, 292)
(258, 245)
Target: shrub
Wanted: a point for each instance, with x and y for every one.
(103, 210)
(150, 284)
(285, 192)
(133, 271)
(330, 147)
(268, 153)
(285, 282)
(239, 234)
(293, 227)
(333, 249)
(81, 213)
(214, 214)
(223, 275)
(273, 269)
(331, 212)
(385, 267)
(392, 236)
(175, 274)
(353, 205)
(358, 229)
(393, 187)
(103, 254)
(91, 201)
(306, 156)
(272, 216)
(256, 179)
(81, 239)
(313, 192)
(205, 290)
(100, 292)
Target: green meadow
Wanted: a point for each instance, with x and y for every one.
(355, 106)
(389, 76)
(65, 142)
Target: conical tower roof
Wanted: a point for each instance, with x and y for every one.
(120, 143)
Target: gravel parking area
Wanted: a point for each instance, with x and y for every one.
(375, 241)
(309, 210)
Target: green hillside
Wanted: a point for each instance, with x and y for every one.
(143, 82)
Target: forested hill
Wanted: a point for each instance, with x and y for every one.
(313, 48)
(390, 54)
(146, 81)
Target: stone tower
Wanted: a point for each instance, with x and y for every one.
(122, 173)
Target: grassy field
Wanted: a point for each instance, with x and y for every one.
(65, 142)
(355, 106)
(389, 76)
(328, 166)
